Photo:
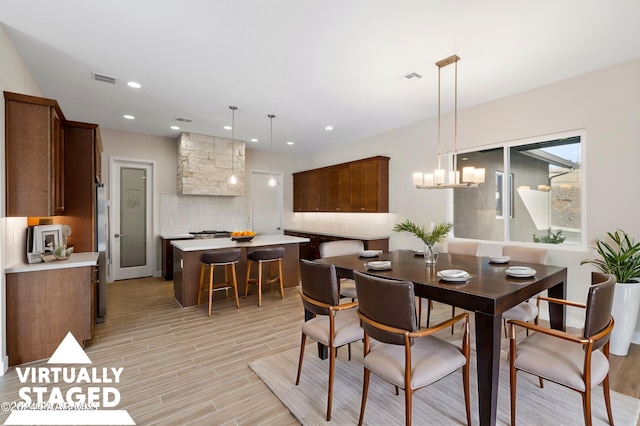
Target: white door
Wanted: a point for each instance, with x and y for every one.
(131, 218)
(266, 203)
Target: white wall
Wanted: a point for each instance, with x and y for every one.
(14, 77)
(606, 103)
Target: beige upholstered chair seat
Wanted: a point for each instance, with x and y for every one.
(431, 360)
(559, 361)
(348, 289)
(341, 248)
(525, 311)
(347, 328)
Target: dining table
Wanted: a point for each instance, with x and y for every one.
(487, 293)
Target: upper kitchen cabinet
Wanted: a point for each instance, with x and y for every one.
(357, 186)
(34, 156)
(370, 185)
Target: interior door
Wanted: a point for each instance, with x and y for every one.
(132, 249)
(266, 203)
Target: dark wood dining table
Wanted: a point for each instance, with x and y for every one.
(488, 293)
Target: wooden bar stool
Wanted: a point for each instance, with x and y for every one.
(262, 256)
(212, 259)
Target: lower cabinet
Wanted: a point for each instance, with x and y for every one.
(311, 250)
(43, 306)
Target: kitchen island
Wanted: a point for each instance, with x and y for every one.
(186, 262)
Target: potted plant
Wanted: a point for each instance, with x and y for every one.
(621, 258)
(437, 234)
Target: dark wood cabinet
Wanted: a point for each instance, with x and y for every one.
(358, 186)
(167, 256)
(34, 156)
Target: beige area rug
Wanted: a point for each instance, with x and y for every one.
(442, 403)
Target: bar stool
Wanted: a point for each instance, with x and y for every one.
(212, 259)
(267, 255)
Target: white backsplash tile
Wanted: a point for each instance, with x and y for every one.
(342, 223)
(180, 214)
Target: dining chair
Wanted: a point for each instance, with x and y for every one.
(467, 248)
(528, 310)
(333, 324)
(341, 248)
(579, 362)
(401, 353)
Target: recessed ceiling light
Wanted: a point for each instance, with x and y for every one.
(328, 128)
(227, 127)
(289, 143)
(134, 84)
(254, 140)
(175, 128)
(129, 117)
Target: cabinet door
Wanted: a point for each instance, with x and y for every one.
(298, 189)
(340, 189)
(311, 192)
(370, 186)
(324, 189)
(28, 159)
(57, 149)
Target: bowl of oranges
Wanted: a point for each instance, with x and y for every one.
(242, 236)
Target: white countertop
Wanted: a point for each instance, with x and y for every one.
(75, 260)
(224, 243)
(175, 236)
(358, 236)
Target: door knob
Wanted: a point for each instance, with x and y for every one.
(119, 235)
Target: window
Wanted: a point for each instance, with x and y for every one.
(541, 202)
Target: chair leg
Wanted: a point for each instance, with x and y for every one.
(365, 390)
(302, 342)
(280, 278)
(419, 311)
(429, 307)
(210, 287)
(259, 283)
(235, 284)
(607, 398)
(586, 404)
(332, 369)
(453, 314)
(512, 379)
(246, 281)
(201, 281)
(467, 395)
(408, 398)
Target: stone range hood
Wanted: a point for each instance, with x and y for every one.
(204, 165)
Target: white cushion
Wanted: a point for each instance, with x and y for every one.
(525, 311)
(431, 360)
(559, 360)
(347, 328)
(348, 289)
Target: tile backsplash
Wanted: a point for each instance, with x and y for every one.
(180, 214)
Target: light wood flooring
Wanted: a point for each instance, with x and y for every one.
(183, 367)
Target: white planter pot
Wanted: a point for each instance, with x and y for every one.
(626, 302)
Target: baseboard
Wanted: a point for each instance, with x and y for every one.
(636, 338)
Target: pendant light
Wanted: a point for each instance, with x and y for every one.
(272, 180)
(471, 176)
(233, 179)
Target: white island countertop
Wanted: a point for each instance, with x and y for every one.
(75, 260)
(225, 243)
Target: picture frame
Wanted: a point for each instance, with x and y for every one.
(50, 239)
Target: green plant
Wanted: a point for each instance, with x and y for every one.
(437, 234)
(621, 259)
(550, 238)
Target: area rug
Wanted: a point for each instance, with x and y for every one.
(441, 403)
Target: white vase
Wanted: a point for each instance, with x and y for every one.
(626, 302)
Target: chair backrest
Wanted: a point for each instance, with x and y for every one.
(341, 248)
(599, 301)
(319, 282)
(525, 254)
(387, 302)
(468, 248)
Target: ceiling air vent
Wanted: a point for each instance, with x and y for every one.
(104, 78)
(183, 120)
(412, 75)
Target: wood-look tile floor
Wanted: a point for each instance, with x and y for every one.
(184, 367)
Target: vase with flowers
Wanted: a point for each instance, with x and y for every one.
(430, 239)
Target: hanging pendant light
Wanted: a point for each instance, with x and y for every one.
(272, 180)
(471, 176)
(233, 179)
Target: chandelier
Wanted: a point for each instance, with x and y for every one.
(471, 176)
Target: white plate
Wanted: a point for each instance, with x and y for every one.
(379, 265)
(459, 279)
(452, 273)
(499, 259)
(521, 271)
(370, 253)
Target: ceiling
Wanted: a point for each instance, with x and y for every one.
(312, 63)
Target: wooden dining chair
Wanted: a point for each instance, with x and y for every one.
(579, 362)
(467, 248)
(341, 248)
(528, 310)
(403, 354)
(333, 324)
